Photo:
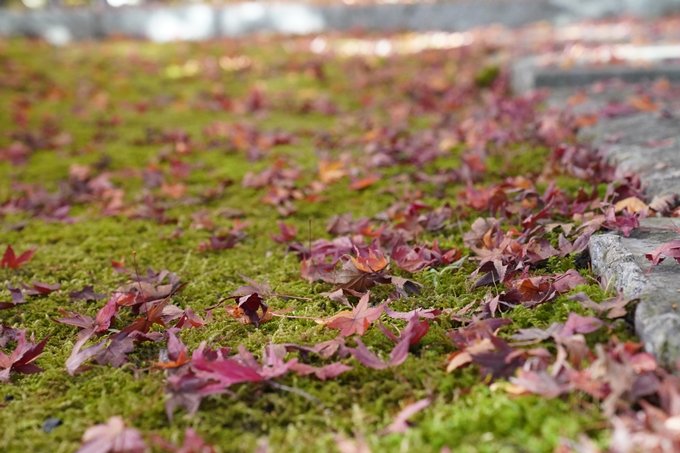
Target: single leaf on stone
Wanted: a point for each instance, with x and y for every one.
(668, 250)
(10, 260)
(356, 321)
(633, 204)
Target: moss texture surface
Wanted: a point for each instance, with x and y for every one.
(117, 105)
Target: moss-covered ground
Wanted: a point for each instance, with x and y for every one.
(114, 107)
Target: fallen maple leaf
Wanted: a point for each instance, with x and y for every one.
(633, 204)
(414, 331)
(189, 319)
(325, 372)
(580, 324)
(154, 315)
(193, 443)
(174, 190)
(39, 288)
(615, 306)
(357, 320)
(668, 250)
(374, 262)
(288, 233)
(17, 298)
(20, 360)
(86, 294)
(330, 171)
(176, 353)
(401, 423)
(112, 437)
(362, 183)
(9, 259)
(246, 312)
(643, 103)
(352, 278)
(398, 355)
(540, 383)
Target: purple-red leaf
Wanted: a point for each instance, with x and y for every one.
(668, 250)
(369, 359)
(20, 360)
(9, 259)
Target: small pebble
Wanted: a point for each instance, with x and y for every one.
(50, 423)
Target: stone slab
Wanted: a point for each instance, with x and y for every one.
(622, 264)
(528, 74)
(645, 143)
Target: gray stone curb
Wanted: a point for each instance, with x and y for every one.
(622, 264)
(527, 75)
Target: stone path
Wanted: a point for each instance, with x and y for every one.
(204, 21)
(647, 143)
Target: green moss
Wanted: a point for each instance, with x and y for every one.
(466, 415)
(487, 75)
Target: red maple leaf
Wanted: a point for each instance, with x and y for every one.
(357, 320)
(668, 250)
(9, 259)
(398, 355)
(22, 356)
(325, 372)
